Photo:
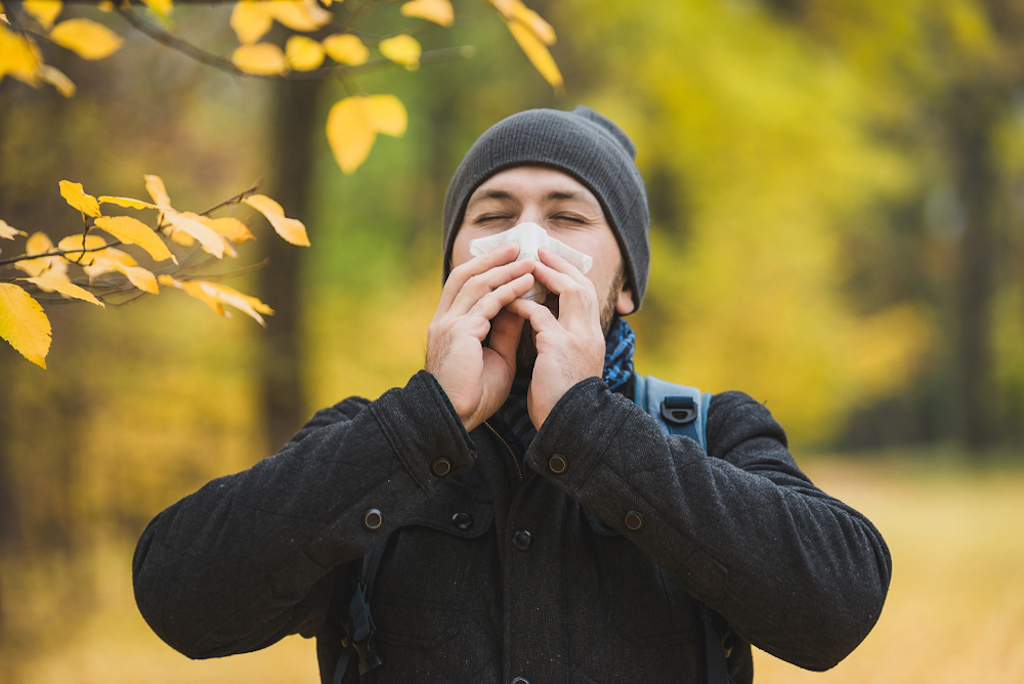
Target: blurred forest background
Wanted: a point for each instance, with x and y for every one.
(837, 193)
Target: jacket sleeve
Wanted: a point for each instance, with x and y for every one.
(253, 557)
(795, 572)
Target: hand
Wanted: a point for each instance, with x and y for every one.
(570, 348)
(478, 379)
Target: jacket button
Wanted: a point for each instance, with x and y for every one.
(634, 520)
(520, 680)
(522, 540)
(558, 464)
(373, 519)
(462, 520)
(441, 467)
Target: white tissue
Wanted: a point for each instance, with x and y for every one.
(530, 237)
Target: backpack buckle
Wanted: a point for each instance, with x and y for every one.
(678, 410)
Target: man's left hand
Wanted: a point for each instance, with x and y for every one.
(570, 348)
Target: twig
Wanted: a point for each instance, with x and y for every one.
(60, 252)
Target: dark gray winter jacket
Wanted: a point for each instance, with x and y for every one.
(495, 571)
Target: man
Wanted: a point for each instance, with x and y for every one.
(540, 526)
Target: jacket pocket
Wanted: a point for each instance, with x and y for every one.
(422, 583)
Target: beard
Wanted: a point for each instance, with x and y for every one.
(526, 353)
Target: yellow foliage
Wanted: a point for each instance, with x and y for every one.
(82, 249)
(155, 188)
(58, 79)
(18, 56)
(304, 53)
(538, 54)
(113, 260)
(353, 124)
(132, 231)
(250, 20)
(55, 281)
(402, 49)
(8, 232)
(77, 198)
(229, 227)
(261, 59)
(44, 11)
(345, 48)
(298, 15)
(40, 243)
(89, 39)
(127, 202)
(216, 296)
(190, 224)
(161, 7)
(24, 324)
(290, 229)
(438, 11)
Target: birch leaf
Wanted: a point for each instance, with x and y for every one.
(304, 53)
(260, 59)
(353, 124)
(89, 39)
(155, 188)
(438, 11)
(132, 231)
(345, 48)
(78, 245)
(190, 224)
(126, 202)
(17, 57)
(250, 21)
(229, 227)
(8, 232)
(77, 198)
(299, 15)
(52, 281)
(216, 296)
(161, 7)
(115, 261)
(402, 49)
(44, 11)
(537, 53)
(290, 229)
(24, 324)
(58, 79)
(40, 243)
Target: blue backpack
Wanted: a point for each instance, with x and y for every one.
(679, 410)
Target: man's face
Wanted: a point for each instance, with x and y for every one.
(566, 209)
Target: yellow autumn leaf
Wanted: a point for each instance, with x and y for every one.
(155, 188)
(303, 53)
(515, 9)
(261, 59)
(161, 7)
(216, 296)
(8, 232)
(229, 227)
(290, 229)
(18, 57)
(353, 124)
(438, 11)
(58, 79)
(53, 281)
(538, 54)
(113, 260)
(299, 15)
(24, 324)
(77, 198)
(345, 48)
(82, 249)
(127, 202)
(132, 231)
(40, 243)
(190, 224)
(89, 39)
(44, 11)
(250, 21)
(105, 6)
(402, 49)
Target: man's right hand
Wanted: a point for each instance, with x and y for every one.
(478, 379)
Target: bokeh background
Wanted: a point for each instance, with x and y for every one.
(837, 192)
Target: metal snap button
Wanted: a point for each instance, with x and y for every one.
(373, 519)
(520, 680)
(558, 464)
(522, 540)
(441, 467)
(634, 520)
(462, 520)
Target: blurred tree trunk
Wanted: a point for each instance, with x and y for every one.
(971, 118)
(281, 370)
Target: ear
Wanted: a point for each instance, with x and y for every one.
(624, 304)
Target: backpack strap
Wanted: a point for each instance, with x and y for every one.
(359, 627)
(683, 410)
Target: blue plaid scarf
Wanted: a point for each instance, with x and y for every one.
(618, 369)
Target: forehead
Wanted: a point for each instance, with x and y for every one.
(532, 182)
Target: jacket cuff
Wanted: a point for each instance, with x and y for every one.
(564, 448)
(423, 430)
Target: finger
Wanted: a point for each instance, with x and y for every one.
(540, 317)
(475, 266)
(489, 305)
(562, 265)
(482, 284)
(506, 328)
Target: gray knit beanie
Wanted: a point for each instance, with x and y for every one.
(581, 143)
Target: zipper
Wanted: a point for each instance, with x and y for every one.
(512, 454)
